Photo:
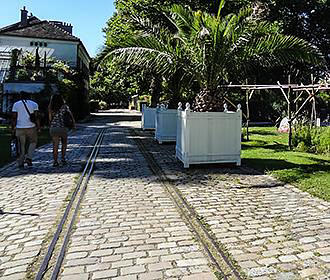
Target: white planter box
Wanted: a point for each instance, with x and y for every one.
(210, 137)
(165, 125)
(148, 117)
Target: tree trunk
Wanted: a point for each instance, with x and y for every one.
(155, 89)
(207, 101)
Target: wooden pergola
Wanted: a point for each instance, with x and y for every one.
(292, 94)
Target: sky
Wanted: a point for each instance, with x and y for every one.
(88, 17)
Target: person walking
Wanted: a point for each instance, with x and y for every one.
(25, 126)
(56, 111)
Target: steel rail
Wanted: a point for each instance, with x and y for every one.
(90, 163)
(68, 232)
(214, 251)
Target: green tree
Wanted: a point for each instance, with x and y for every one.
(213, 50)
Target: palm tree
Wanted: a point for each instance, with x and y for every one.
(213, 50)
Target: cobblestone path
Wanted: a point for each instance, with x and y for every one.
(30, 201)
(273, 231)
(128, 227)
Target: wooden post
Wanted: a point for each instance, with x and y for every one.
(247, 115)
(289, 113)
(313, 116)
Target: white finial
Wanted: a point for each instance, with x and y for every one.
(225, 108)
(180, 106)
(162, 106)
(187, 106)
(239, 106)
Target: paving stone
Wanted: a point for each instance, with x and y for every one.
(248, 264)
(200, 276)
(260, 271)
(99, 266)
(288, 258)
(78, 255)
(127, 277)
(133, 269)
(9, 264)
(308, 272)
(102, 253)
(151, 276)
(191, 262)
(73, 270)
(325, 258)
(83, 276)
(17, 276)
(286, 276)
(122, 264)
(105, 274)
(160, 266)
(268, 261)
(307, 240)
(176, 272)
(305, 255)
(16, 269)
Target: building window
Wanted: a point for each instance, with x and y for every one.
(40, 44)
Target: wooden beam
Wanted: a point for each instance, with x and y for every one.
(281, 88)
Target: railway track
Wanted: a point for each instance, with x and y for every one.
(223, 266)
(69, 216)
(52, 261)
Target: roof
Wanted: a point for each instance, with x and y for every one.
(30, 21)
(38, 29)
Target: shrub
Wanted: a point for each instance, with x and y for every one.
(324, 141)
(103, 105)
(22, 75)
(311, 139)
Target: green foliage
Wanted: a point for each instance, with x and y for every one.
(212, 50)
(22, 75)
(311, 139)
(28, 60)
(115, 84)
(264, 59)
(267, 151)
(72, 89)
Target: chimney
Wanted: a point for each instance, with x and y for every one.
(63, 25)
(24, 14)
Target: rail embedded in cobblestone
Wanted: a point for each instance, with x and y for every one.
(222, 263)
(71, 212)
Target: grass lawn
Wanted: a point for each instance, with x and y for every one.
(5, 137)
(267, 151)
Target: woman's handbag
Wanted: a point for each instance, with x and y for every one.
(67, 120)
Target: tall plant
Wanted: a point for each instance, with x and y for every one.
(213, 50)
